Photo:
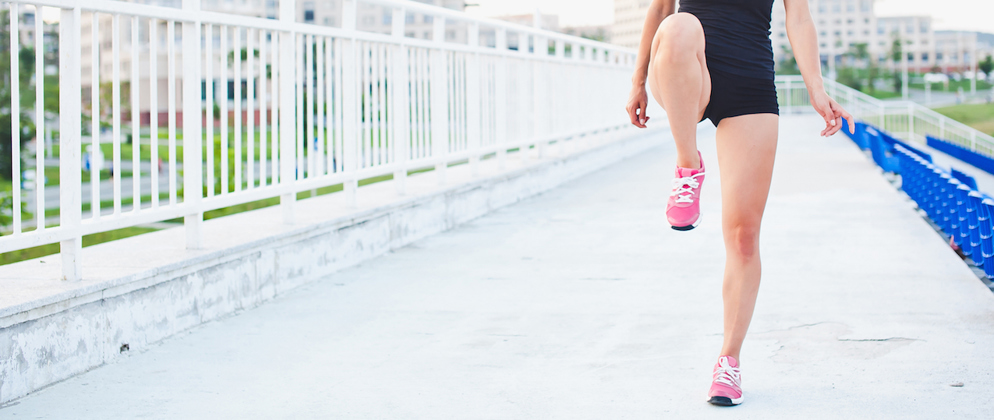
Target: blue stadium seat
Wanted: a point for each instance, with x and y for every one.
(987, 248)
(974, 218)
(947, 201)
(981, 161)
(964, 178)
(962, 235)
(882, 151)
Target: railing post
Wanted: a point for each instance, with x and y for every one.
(474, 118)
(439, 100)
(577, 119)
(883, 116)
(70, 143)
(288, 113)
(851, 98)
(560, 84)
(942, 127)
(401, 102)
(539, 106)
(526, 83)
(790, 97)
(192, 167)
(350, 105)
(500, 97)
(911, 121)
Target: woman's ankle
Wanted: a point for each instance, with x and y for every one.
(690, 162)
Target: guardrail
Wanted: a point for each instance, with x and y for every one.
(908, 120)
(316, 106)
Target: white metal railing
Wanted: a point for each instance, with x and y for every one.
(904, 119)
(303, 107)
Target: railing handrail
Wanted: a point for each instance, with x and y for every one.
(913, 109)
(221, 18)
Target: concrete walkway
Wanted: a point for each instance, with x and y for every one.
(583, 304)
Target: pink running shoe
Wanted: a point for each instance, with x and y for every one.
(683, 210)
(726, 389)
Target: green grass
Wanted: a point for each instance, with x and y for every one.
(953, 86)
(53, 175)
(882, 94)
(978, 116)
(88, 240)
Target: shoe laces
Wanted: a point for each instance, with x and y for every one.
(683, 188)
(725, 374)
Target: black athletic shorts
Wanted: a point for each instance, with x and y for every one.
(739, 56)
(733, 95)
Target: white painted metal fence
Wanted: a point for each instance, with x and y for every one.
(904, 119)
(310, 106)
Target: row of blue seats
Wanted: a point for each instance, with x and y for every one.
(950, 199)
(881, 146)
(959, 210)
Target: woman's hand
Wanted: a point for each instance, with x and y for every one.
(832, 112)
(637, 102)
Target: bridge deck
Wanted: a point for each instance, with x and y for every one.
(582, 303)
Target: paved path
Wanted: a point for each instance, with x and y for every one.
(582, 304)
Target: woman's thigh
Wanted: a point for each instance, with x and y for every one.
(680, 35)
(747, 145)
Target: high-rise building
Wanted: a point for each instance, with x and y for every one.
(629, 16)
(955, 51)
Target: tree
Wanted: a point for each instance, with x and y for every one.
(788, 65)
(897, 54)
(987, 65)
(26, 57)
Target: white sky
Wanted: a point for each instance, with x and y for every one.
(975, 15)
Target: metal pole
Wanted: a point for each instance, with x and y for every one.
(350, 105)
(70, 142)
(474, 115)
(439, 100)
(192, 168)
(904, 75)
(288, 113)
(400, 94)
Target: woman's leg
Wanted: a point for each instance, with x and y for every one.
(679, 80)
(746, 148)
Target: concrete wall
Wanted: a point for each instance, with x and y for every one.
(84, 326)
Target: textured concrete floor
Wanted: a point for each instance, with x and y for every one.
(583, 304)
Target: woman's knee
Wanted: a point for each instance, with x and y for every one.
(742, 239)
(679, 34)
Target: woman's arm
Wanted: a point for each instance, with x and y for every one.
(638, 100)
(804, 43)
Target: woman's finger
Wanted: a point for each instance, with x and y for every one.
(633, 115)
(852, 122)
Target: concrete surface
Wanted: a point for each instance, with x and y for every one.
(582, 304)
(140, 290)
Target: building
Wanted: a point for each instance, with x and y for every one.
(917, 37)
(629, 16)
(840, 24)
(540, 20)
(955, 51)
(600, 33)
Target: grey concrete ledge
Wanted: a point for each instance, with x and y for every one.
(140, 290)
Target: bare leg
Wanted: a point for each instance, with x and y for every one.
(680, 82)
(746, 148)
